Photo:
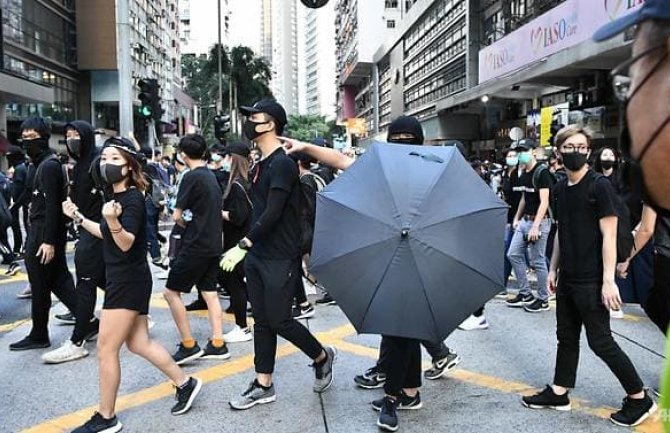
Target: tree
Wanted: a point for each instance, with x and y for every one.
(250, 81)
(309, 127)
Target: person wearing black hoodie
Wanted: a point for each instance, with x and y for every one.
(88, 257)
(45, 244)
(20, 192)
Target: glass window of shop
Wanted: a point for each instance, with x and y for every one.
(39, 30)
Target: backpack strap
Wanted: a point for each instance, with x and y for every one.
(246, 194)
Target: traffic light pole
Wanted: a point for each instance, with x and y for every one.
(151, 137)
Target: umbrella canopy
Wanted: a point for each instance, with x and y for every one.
(409, 241)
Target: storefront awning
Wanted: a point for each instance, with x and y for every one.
(20, 90)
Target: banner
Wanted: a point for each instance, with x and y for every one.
(546, 117)
(564, 26)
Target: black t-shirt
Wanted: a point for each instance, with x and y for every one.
(277, 171)
(579, 218)
(239, 208)
(512, 191)
(132, 265)
(530, 194)
(199, 193)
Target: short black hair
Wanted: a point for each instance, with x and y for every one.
(194, 146)
(37, 124)
(279, 129)
(657, 32)
(303, 159)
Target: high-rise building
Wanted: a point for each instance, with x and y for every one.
(38, 63)
(317, 72)
(361, 25)
(154, 53)
(198, 30)
(279, 45)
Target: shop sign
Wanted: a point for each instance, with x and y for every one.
(564, 26)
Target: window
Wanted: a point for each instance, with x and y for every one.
(391, 4)
(390, 24)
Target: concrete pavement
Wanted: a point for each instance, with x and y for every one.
(514, 357)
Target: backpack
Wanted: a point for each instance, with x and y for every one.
(624, 233)
(157, 195)
(66, 179)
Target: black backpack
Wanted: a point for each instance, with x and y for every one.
(624, 233)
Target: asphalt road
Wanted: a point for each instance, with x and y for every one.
(514, 357)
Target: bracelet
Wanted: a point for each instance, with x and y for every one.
(119, 230)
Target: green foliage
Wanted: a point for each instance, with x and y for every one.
(250, 77)
(308, 127)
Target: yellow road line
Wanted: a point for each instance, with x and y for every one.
(652, 425)
(11, 326)
(148, 395)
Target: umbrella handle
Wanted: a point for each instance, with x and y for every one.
(428, 157)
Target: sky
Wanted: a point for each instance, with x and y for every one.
(245, 24)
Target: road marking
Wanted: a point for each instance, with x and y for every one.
(151, 394)
(11, 326)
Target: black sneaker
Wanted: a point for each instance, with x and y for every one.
(520, 301)
(326, 300)
(160, 263)
(212, 352)
(323, 372)
(66, 319)
(547, 399)
(302, 312)
(184, 355)
(185, 396)
(442, 366)
(29, 344)
(98, 424)
(537, 306)
(388, 418)
(371, 379)
(198, 304)
(404, 402)
(12, 269)
(634, 411)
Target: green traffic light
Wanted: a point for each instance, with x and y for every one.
(145, 111)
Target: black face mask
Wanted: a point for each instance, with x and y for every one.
(35, 147)
(112, 173)
(73, 147)
(249, 129)
(574, 161)
(607, 164)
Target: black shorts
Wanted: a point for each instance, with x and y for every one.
(186, 272)
(134, 295)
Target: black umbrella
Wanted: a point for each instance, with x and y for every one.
(409, 241)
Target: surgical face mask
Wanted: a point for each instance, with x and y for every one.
(226, 166)
(574, 161)
(607, 163)
(73, 147)
(35, 147)
(216, 157)
(525, 158)
(512, 161)
(249, 129)
(112, 173)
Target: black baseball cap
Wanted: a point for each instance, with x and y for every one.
(237, 149)
(524, 144)
(268, 106)
(650, 10)
(124, 144)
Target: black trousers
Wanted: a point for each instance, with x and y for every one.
(90, 266)
(53, 277)
(271, 285)
(403, 365)
(237, 288)
(657, 304)
(436, 351)
(16, 229)
(580, 304)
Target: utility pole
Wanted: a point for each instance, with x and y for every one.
(125, 73)
(219, 49)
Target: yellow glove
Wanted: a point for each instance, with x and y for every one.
(231, 258)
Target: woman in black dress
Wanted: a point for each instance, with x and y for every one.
(128, 291)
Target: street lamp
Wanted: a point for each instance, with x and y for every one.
(485, 99)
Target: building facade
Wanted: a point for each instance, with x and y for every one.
(199, 26)
(38, 63)
(471, 70)
(318, 66)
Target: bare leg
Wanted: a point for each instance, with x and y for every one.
(178, 311)
(115, 326)
(141, 344)
(215, 314)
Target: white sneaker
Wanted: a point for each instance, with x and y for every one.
(67, 352)
(616, 314)
(238, 335)
(473, 323)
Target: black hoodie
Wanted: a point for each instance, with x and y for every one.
(83, 191)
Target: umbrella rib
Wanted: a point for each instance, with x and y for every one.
(358, 249)
(455, 259)
(372, 217)
(459, 216)
(430, 307)
(381, 280)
